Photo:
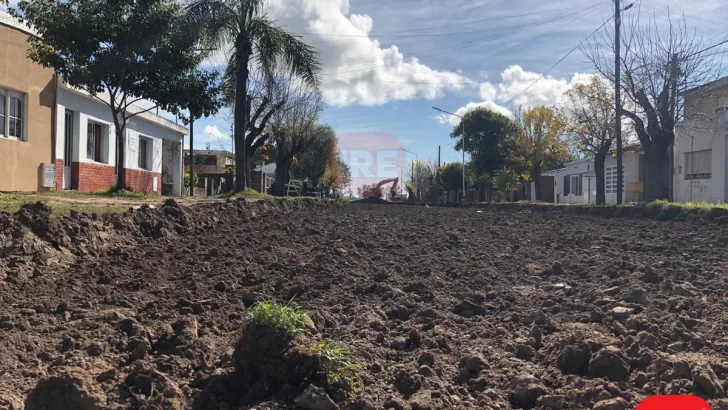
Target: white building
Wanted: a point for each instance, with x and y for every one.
(86, 149)
(701, 152)
(576, 182)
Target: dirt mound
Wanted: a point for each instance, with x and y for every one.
(459, 309)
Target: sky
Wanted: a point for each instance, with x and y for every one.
(386, 63)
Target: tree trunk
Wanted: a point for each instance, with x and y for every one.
(120, 158)
(599, 160)
(657, 171)
(283, 167)
(241, 116)
(537, 181)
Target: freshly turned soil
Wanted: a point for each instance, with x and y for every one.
(443, 308)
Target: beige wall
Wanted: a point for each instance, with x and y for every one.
(20, 160)
(701, 103)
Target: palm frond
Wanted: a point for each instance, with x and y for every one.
(276, 47)
(216, 19)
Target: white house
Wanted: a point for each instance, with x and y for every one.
(576, 182)
(86, 149)
(701, 152)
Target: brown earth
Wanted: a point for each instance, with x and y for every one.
(444, 308)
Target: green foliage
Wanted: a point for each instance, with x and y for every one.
(451, 176)
(196, 180)
(311, 163)
(287, 319)
(486, 139)
(505, 180)
(338, 364)
(700, 206)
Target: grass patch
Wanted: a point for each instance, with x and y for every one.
(11, 203)
(247, 193)
(690, 206)
(338, 364)
(114, 192)
(285, 318)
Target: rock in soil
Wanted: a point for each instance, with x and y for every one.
(610, 363)
(315, 398)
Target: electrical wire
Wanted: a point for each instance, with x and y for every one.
(463, 47)
(558, 62)
(707, 48)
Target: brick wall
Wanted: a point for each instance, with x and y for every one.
(87, 177)
(701, 103)
(59, 174)
(143, 181)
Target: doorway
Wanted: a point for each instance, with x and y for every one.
(67, 150)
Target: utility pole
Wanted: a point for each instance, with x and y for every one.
(438, 156)
(618, 100)
(192, 157)
(674, 74)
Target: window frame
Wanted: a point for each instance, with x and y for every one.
(610, 179)
(21, 133)
(98, 144)
(690, 176)
(146, 141)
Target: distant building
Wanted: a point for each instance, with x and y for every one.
(576, 182)
(214, 168)
(700, 154)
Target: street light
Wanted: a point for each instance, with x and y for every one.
(401, 173)
(413, 164)
(462, 119)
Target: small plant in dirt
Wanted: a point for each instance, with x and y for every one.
(337, 363)
(287, 319)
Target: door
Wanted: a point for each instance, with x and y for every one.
(68, 150)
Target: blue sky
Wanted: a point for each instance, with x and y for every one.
(386, 63)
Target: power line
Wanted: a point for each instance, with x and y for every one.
(558, 62)
(680, 14)
(468, 44)
(707, 48)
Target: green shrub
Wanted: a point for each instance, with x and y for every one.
(287, 319)
(337, 363)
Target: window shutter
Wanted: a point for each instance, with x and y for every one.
(566, 185)
(581, 185)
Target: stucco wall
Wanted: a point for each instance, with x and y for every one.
(703, 102)
(630, 161)
(569, 169)
(21, 160)
(691, 137)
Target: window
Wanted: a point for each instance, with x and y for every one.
(576, 185)
(698, 165)
(12, 115)
(143, 151)
(610, 179)
(567, 184)
(93, 142)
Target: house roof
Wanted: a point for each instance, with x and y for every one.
(9, 21)
(711, 84)
(213, 152)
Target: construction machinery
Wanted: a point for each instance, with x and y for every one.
(376, 191)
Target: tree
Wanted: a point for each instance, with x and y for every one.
(311, 163)
(254, 40)
(505, 180)
(293, 127)
(451, 176)
(121, 52)
(589, 109)
(539, 143)
(486, 136)
(657, 67)
(423, 179)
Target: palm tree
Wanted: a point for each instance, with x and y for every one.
(254, 39)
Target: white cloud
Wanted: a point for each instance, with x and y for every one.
(513, 86)
(357, 69)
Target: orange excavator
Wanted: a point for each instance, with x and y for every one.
(376, 192)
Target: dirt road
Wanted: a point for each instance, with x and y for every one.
(444, 308)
